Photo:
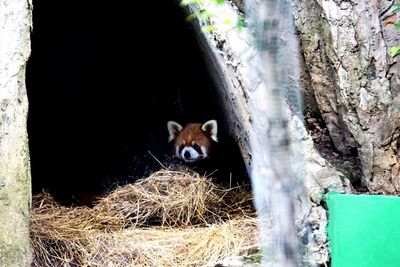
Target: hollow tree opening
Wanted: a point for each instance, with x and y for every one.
(103, 80)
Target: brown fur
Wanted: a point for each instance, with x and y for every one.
(192, 133)
(194, 141)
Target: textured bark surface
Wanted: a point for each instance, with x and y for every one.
(232, 58)
(15, 181)
(355, 81)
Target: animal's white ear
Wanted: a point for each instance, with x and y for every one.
(173, 128)
(211, 128)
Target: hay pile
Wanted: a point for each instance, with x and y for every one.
(171, 218)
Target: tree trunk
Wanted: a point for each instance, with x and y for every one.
(15, 180)
(232, 60)
(355, 81)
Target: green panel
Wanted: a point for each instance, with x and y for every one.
(364, 230)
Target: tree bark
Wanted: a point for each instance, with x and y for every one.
(356, 83)
(15, 180)
(232, 58)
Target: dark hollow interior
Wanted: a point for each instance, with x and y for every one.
(103, 79)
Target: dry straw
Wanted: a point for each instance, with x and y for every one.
(172, 218)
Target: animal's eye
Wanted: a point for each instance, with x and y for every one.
(181, 147)
(196, 146)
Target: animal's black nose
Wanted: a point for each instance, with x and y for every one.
(186, 155)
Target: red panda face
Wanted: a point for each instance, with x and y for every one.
(194, 141)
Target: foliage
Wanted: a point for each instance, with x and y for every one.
(396, 7)
(205, 14)
(394, 51)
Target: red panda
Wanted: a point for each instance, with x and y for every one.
(194, 141)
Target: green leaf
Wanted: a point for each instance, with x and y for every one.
(397, 25)
(227, 21)
(396, 8)
(209, 28)
(188, 2)
(394, 51)
(190, 17)
(204, 14)
(219, 1)
(240, 23)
